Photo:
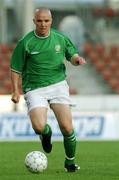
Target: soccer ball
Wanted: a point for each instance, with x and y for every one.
(36, 161)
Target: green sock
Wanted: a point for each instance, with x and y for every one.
(47, 130)
(70, 147)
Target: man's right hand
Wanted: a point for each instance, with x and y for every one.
(15, 97)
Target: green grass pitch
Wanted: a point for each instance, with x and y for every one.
(98, 161)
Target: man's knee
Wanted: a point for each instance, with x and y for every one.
(38, 129)
(66, 130)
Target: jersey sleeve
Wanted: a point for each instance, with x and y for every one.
(18, 58)
(70, 49)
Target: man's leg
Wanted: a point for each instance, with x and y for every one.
(38, 118)
(70, 149)
(64, 117)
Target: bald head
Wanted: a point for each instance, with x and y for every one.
(43, 10)
(42, 20)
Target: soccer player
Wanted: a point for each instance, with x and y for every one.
(39, 59)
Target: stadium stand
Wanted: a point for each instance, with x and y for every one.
(106, 61)
(5, 54)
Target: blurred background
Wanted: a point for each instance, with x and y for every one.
(93, 26)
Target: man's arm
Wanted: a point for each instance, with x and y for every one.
(15, 80)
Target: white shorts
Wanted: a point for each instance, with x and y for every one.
(41, 97)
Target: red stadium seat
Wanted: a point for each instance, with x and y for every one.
(109, 12)
(113, 65)
(107, 73)
(100, 49)
(7, 86)
(3, 74)
(100, 66)
(2, 90)
(93, 56)
(114, 83)
(4, 49)
(116, 73)
(11, 47)
(117, 57)
(113, 50)
(87, 48)
(117, 90)
(106, 58)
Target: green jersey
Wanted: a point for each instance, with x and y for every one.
(40, 60)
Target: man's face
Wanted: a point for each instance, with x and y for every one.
(43, 21)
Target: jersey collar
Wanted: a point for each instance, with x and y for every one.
(41, 37)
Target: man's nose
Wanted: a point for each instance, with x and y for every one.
(43, 23)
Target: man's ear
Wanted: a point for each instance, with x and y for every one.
(34, 21)
(51, 20)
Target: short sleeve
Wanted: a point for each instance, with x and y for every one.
(18, 58)
(70, 49)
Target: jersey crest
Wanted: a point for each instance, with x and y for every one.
(57, 48)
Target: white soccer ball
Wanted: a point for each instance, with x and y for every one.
(36, 161)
